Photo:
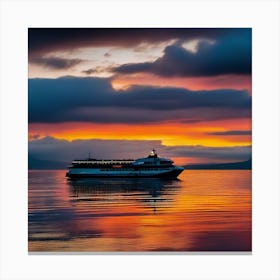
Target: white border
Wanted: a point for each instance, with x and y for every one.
(262, 16)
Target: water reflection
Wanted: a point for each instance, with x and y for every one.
(207, 210)
(153, 193)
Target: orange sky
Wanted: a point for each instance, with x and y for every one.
(238, 82)
(171, 134)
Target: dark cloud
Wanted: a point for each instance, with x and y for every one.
(55, 62)
(232, 132)
(90, 71)
(164, 98)
(237, 153)
(49, 148)
(96, 70)
(231, 54)
(94, 99)
(44, 40)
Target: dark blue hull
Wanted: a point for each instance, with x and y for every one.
(169, 174)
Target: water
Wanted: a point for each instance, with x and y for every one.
(204, 210)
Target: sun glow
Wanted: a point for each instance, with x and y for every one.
(170, 134)
(238, 82)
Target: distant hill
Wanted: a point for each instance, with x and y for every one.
(247, 165)
(34, 163)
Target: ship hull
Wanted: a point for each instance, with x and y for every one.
(174, 173)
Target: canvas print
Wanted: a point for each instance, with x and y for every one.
(139, 140)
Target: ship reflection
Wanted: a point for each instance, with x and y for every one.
(153, 193)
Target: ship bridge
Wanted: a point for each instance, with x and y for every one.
(153, 159)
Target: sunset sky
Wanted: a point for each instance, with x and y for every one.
(118, 93)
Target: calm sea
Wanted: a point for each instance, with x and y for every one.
(204, 210)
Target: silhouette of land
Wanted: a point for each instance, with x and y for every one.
(247, 165)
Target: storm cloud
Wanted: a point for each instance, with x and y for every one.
(229, 55)
(94, 99)
(45, 40)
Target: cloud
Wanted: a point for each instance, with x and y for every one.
(45, 40)
(34, 136)
(237, 153)
(49, 148)
(231, 132)
(55, 62)
(231, 54)
(89, 71)
(96, 70)
(94, 99)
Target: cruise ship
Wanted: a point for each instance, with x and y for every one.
(151, 166)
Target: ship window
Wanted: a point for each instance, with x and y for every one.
(164, 162)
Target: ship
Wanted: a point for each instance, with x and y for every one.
(151, 166)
